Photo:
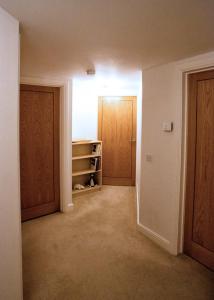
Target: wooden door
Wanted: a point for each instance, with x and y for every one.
(117, 130)
(39, 150)
(199, 219)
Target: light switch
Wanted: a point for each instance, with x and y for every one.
(167, 126)
(148, 157)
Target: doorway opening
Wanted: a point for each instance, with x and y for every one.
(107, 108)
(199, 207)
(57, 139)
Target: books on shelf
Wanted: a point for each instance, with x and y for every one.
(96, 149)
(87, 166)
(95, 163)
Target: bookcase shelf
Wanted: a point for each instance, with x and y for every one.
(76, 143)
(87, 189)
(83, 172)
(83, 154)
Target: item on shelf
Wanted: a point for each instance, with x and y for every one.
(94, 163)
(96, 149)
(98, 164)
(79, 187)
(91, 182)
(99, 149)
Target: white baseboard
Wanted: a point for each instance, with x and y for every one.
(137, 203)
(155, 237)
(69, 207)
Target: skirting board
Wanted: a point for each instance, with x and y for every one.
(69, 207)
(138, 202)
(155, 237)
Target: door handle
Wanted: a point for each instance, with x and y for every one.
(132, 141)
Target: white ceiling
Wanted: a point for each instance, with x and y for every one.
(65, 37)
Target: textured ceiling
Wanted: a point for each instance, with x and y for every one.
(64, 37)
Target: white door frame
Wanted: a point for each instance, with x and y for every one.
(65, 135)
(183, 68)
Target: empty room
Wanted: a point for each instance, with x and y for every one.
(107, 146)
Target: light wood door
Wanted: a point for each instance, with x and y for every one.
(199, 221)
(39, 150)
(117, 130)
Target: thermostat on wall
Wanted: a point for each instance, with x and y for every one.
(167, 126)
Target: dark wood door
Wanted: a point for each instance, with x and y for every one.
(117, 130)
(39, 150)
(199, 220)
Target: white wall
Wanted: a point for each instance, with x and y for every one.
(85, 93)
(10, 233)
(159, 177)
(139, 149)
(163, 179)
(84, 109)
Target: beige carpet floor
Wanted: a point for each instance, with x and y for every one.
(95, 252)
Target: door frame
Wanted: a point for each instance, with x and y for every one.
(65, 135)
(188, 243)
(183, 68)
(134, 127)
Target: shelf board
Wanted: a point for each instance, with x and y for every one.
(87, 189)
(85, 156)
(82, 172)
(85, 142)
